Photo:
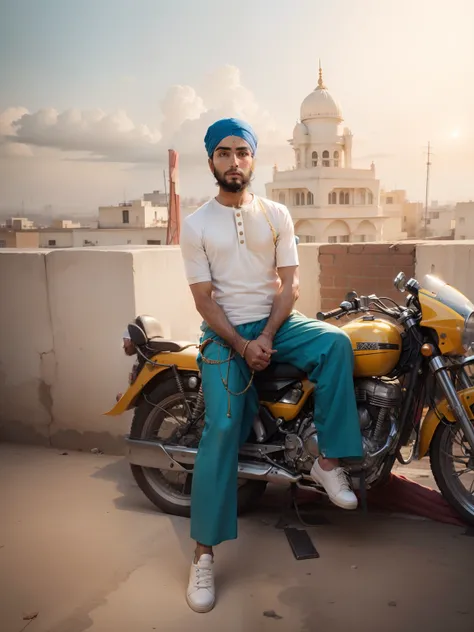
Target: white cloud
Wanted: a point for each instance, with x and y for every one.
(8, 148)
(114, 137)
(181, 103)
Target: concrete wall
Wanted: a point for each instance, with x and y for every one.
(309, 302)
(62, 318)
(63, 313)
(161, 290)
(62, 238)
(452, 261)
(27, 365)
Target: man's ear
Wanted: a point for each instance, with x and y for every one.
(252, 169)
(211, 165)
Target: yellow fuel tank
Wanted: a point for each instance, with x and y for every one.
(377, 346)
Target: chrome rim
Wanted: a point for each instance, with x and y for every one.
(162, 424)
(457, 462)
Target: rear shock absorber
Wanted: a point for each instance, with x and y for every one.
(198, 408)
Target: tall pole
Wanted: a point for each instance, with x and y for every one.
(166, 192)
(428, 165)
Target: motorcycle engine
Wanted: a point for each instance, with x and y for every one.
(376, 400)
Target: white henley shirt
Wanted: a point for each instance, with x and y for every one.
(234, 249)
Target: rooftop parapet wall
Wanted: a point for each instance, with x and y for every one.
(62, 319)
(63, 313)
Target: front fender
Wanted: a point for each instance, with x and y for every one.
(185, 360)
(443, 411)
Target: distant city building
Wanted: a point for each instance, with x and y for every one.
(135, 214)
(100, 237)
(11, 238)
(20, 223)
(157, 198)
(395, 204)
(329, 200)
(464, 219)
(440, 221)
(64, 223)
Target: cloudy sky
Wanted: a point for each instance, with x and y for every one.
(93, 93)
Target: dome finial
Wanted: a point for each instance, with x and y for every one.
(321, 85)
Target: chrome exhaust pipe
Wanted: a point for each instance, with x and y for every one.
(155, 454)
(171, 457)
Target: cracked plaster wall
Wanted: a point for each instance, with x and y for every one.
(62, 316)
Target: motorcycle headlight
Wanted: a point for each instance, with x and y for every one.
(468, 335)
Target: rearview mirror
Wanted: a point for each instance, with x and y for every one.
(400, 282)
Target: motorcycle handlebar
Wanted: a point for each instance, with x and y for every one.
(332, 314)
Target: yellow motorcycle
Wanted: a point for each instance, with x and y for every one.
(413, 385)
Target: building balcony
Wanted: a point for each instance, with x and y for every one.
(336, 211)
(341, 173)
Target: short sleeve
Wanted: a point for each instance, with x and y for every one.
(196, 263)
(286, 250)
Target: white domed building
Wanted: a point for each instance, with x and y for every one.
(328, 199)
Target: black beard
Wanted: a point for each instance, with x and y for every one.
(231, 187)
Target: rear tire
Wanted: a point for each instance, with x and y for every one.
(146, 423)
(446, 476)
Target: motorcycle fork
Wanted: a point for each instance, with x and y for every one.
(440, 370)
(413, 400)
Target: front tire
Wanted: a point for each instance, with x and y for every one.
(165, 489)
(452, 465)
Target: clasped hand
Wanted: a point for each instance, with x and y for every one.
(258, 353)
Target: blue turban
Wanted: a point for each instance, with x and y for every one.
(229, 127)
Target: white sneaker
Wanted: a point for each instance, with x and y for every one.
(201, 594)
(336, 484)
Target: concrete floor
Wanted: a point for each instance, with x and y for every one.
(80, 545)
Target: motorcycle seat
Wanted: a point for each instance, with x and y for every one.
(161, 345)
(279, 371)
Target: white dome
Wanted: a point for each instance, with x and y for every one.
(300, 134)
(320, 104)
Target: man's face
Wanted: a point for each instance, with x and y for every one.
(232, 164)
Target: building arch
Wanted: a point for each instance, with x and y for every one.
(306, 231)
(365, 231)
(337, 232)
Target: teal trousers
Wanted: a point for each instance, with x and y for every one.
(324, 352)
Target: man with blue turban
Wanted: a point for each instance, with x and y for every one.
(241, 263)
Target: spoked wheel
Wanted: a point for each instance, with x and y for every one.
(163, 416)
(452, 462)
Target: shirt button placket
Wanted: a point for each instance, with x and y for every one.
(239, 224)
